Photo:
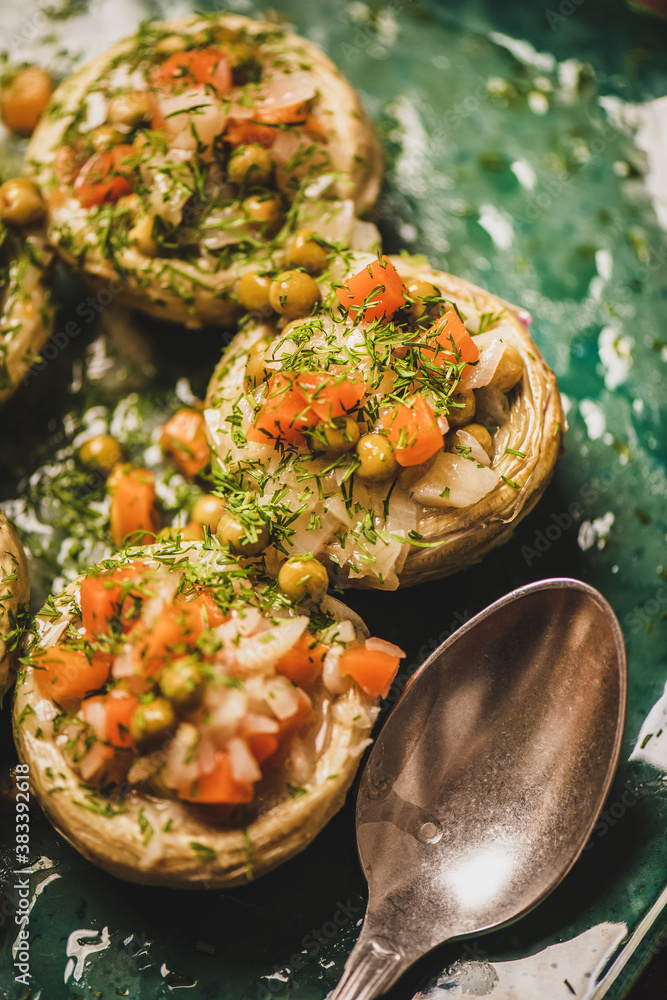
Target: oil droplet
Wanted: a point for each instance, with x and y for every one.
(430, 832)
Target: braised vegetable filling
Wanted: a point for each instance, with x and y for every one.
(184, 677)
(194, 153)
(349, 432)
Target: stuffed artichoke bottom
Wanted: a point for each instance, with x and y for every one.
(14, 601)
(26, 313)
(186, 724)
(397, 433)
(194, 151)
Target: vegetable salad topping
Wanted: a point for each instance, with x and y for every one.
(349, 431)
(190, 155)
(178, 672)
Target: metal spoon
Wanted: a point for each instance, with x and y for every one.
(487, 779)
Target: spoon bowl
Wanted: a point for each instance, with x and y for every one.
(488, 776)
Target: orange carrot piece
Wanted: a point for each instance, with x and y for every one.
(109, 596)
(284, 415)
(413, 431)
(372, 669)
(331, 396)
(66, 675)
(302, 664)
(262, 745)
(173, 633)
(120, 707)
(195, 68)
(183, 439)
(212, 616)
(133, 509)
(105, 177)
(448, 342)
(382, 280)
(219, 785)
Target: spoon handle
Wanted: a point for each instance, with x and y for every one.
(373, 966)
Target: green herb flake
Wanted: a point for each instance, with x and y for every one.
(145, 826)
(101, 807)
(28, 710)
(203, 851)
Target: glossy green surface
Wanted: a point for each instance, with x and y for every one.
(467, 127)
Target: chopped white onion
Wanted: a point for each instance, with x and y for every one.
(256, 723)
(95, 714)
(286, 144)
(248, 621)
(96, 110)
(463, 439)
(282, 697)
(491, 345)
(483, 371)
(243, 765)
(285, 90)
(336, 507)
(313, 539)
(223, 227)
(402, 514)
(182, 757)
(341, 632)
(206, 753)
(259, 653)
(385, 555)
(225, 713)
(381, 646)
(168, 193)
(461, 481)
(93, 761)
(193, 111)
(331, 672)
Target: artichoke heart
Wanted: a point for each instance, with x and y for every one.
(198, 726)
(400, 429)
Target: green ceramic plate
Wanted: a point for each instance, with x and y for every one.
(523, 153)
